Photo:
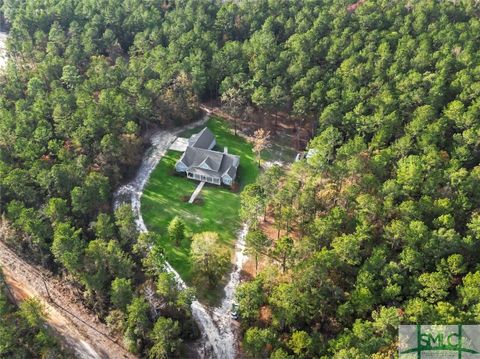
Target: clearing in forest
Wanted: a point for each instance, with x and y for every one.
(216, 209)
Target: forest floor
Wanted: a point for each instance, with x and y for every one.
(286, 139)
(270, 229)
(75, 325)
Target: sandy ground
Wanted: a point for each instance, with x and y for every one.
(80, 330)
(180, 144)
(3, 39)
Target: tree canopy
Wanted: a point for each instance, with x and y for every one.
(378, 225)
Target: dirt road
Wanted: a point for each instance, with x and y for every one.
(80, 330)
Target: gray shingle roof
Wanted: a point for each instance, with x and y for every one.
(217, 162)
(194, 157)
(203, 139)
(208, 162)
(232, 172)
(229, 165)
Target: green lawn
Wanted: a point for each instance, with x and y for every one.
(162, 199)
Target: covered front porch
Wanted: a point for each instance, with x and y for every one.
(199, 177)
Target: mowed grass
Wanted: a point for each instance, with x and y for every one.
(163, 199)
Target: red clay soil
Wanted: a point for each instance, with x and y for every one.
(265, 314)
(248, 269)
(75, 325)
(267, 227)
(353, 7)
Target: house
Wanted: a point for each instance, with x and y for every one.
(202, 163)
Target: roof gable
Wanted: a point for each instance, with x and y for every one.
(199, 157)
(207, 163)
(229, 165)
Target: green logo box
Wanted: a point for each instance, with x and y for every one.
(439, 341)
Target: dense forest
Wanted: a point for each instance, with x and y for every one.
(380, 225)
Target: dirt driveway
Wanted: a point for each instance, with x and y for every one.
(79, 329)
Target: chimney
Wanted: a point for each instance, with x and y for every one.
(225, 150)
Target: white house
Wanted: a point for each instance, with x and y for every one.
(201, 163)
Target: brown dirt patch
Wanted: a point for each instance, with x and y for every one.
(283, 128)
(355, 6)
(75, 325)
